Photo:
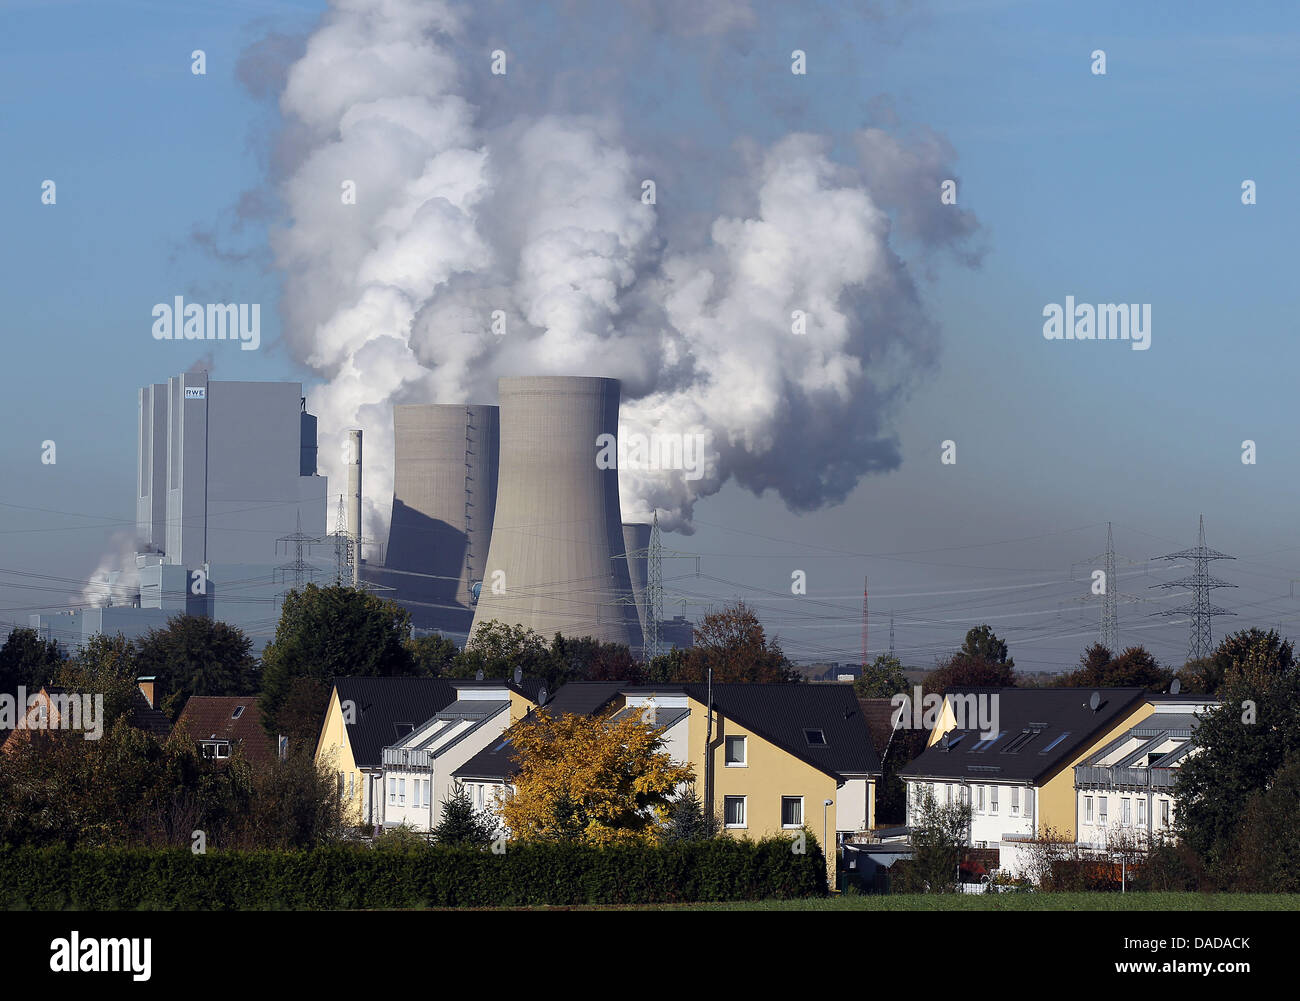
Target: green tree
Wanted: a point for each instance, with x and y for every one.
(1243, 744)
(195, 655)
(328, 632)
(1134, 668)
(882, 679)
(27, 660)
(434, 654)
(982, 643)
(461, 823)
(497, 648)
(105, 665)
(733, 644)
(688, 820)
(1268, 837)
(940, 836)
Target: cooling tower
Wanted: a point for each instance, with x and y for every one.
(557, 561)
(444, 494)
(636, 541)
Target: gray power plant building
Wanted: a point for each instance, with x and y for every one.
(224, 470)
(557, 560)
(444, 498)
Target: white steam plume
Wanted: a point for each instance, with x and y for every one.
(459, 214)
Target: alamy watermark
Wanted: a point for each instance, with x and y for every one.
(215, 321)
(970, 711)
(633, 450)
(53, 711)
(1107, 321)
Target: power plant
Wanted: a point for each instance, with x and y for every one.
(498, 513)
(444, 497)
(557, 561)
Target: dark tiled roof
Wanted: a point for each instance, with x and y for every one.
(580, 698)
(781, 714)
(387, 709)
(1064, 721)
(209, 716)
(879, 714)
(145, 717)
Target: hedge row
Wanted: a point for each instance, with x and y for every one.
(357, 877)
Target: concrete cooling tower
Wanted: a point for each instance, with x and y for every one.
(636, 541)
(444, 495)
(557, 560)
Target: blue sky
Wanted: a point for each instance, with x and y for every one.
(1123, 187)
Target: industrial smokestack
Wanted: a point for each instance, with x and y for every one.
(354, 503)
(444, 497)
(557, 560)
(636, 543)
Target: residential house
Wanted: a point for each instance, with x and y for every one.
(768, 759)
(366, 715)
(222, 724)
(55, 708)
(1126, 790)
(417, 770)
(1019, 781)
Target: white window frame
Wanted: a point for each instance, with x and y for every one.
(1126, 812)
(427, 801)
(802, 818)
(993, 800)
(392, 791)
(979, 800)
(1103, 811)
(401, 792)
(1165, 813)
(1015, 801)
(1087, 809)
(744, 751)
(744, 813)
(1141, 812)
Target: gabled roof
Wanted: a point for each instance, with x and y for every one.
(228, 717)
(783, 715)
(1040, 729)
(387, 709)
(879, 714)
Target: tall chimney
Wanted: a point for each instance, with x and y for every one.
(354, 504)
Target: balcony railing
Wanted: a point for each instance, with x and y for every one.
(399, 757)
(1096, 776)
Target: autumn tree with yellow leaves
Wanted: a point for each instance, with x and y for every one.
(591, 779)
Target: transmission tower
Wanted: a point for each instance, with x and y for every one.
(891, 634)
(1108, 634)
(343, 550)
(1201, 583)
(864, 623)
(654, 555)
(302, 570)
(654, 599)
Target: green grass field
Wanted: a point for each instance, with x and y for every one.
(999, 902)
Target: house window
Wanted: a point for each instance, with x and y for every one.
(1087, 809)
(401, 792)
(426, 793)
(979, 807)
(478, 794)
(392, 792)
(1142, 813)
(239, 711)
(993, 799)
(1029, 803)
(415, 792)
(340, 785)
(1101, 810)
(965, 795)
(1164, 813)
(815, 738)
(948, 790)
(352, 784)
(734, 810)
(791, 811)
(735, 752)
(1124, 817)
(1015, 801)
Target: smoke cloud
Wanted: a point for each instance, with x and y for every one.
(786, 328)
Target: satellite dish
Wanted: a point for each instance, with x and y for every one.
(478, 675)
(519, 675)
(1094, 701)
(1176, 687)
(542, 696)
